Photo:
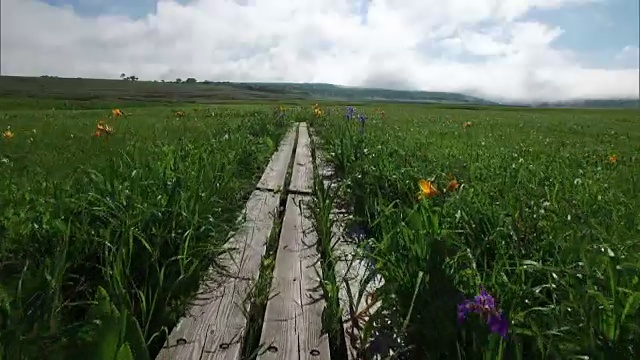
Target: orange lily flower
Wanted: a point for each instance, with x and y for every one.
(427, 190)
(453, 185)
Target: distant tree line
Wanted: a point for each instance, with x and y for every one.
(123, 76)
(188, 81)
(134, 78)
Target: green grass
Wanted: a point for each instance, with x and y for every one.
(142, 213)
(542, 220)
(322, 205)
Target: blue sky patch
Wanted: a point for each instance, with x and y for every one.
(132, 8)
(602, 26)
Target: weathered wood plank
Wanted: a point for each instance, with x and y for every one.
(351, 271)
(227, 331)
(215, 325)
(325, 170)
(350, 268)
(284, 309)
(274, 175)
(302, 174)
(313, 343)
(292, 327)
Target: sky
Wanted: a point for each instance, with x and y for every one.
(505, 50)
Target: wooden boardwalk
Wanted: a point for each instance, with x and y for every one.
(292, 327)
(215, 326)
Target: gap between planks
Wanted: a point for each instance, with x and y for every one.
(215, 326)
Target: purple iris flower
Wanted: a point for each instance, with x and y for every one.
(485, 305)
(361, 119)
(350, 112)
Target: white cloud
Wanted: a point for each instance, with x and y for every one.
(482, 47)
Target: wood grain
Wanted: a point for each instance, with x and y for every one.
(280, 329)
(292, 327)
(274, 175)
(313, 343)
(302, 174)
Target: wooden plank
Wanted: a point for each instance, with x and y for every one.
(313, 343)
(276, 171)
(227, 331)
(325, 170)
(350, 268)
(351, 271)
(215, 326)
(302, 174)
(292, 328)
(279, 330)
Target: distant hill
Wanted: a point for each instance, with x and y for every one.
(334, 92)
(81, 90)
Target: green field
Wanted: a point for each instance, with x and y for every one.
(141, 212)
(78, 92)
(544, 219)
